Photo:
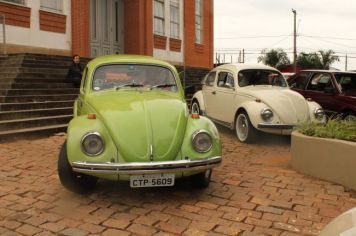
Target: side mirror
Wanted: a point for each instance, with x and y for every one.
(294, 85)
(329, 90)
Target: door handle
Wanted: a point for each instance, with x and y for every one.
(213, 92)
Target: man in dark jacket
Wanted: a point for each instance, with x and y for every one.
(75, 71)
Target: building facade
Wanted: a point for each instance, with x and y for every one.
(178, 31)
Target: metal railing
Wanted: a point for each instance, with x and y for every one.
(3, 34)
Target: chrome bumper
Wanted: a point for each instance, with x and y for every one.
(134, 168)
(274, 126)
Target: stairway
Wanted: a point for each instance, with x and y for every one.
(34, 94)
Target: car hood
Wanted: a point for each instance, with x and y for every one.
(137, 120)
(290, 106)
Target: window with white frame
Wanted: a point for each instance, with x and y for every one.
(175, 19)
(52, 5)
(159, 17)
(21, 2)
(199, 21)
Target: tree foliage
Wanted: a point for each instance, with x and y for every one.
(274, 57)
(317, 60)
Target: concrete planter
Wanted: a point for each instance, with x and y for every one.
(329, 159)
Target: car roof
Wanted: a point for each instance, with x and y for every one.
(242, 66)
(131, 59)
(329, 71)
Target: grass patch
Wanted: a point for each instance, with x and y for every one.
(334, 128)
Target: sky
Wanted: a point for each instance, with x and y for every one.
(257, 24)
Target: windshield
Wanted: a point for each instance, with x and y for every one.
(346, 82)
(120, 75)
(261, 77)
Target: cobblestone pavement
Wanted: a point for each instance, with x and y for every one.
(254, 192)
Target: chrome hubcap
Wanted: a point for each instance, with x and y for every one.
(242, 127)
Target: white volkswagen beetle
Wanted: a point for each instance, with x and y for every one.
(253, 98)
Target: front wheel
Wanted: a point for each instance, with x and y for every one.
(196, 107)
(245, 131)
(75, 182)
(202, 180)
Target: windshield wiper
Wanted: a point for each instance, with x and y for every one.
(132, 84)
(163, 85)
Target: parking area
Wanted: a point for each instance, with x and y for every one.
(254, 192)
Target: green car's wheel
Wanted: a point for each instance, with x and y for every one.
(202, 180)
(75, 182)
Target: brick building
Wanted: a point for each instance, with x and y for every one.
(178, 31)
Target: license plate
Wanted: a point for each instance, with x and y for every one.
(158, 180)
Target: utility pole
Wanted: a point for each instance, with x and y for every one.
(295, 42)
(346, 62)
(243, 55)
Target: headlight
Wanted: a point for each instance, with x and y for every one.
(266, 114)
(319, 113)
(92, 144)
(202, 141)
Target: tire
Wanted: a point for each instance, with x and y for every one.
(245, 131)
(349, 116)
(196, 107)
(75, 182)
(202, 180)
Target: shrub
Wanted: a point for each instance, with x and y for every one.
(334, 128)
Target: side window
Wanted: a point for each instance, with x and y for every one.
(225, 80)
(210, 79)
(301, 80)
(319, 82)
(85, 77)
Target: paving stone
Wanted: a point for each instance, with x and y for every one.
(28, 229)
(253, 192)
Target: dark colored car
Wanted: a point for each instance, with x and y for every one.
(335, 91)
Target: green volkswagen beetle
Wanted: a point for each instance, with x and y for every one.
(131, 123)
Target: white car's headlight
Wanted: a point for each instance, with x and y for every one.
(266, 114)
(92, 144)
(319, 113)
(202, 141)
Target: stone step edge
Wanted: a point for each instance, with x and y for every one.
(29, 103)
(30, 130)
(35, 110)
(35, 118)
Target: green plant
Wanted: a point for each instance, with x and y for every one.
(334, 128)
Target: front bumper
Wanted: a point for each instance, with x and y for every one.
(135, 168)
(274, 126)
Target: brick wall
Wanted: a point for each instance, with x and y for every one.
(80, 27)
(138, 27)
(53, 22)
(193, 78)
(16, 15)
(199, 55)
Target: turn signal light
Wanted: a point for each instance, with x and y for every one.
(91, 116)
(195, 116)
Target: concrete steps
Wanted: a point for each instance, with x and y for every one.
(35, 97)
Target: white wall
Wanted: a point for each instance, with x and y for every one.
(168, 55)
(34, 37)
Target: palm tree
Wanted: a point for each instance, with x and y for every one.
(317, 60)
(274, 57)
(309, 61)
(327, 58)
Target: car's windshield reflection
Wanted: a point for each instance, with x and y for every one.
(125, 76)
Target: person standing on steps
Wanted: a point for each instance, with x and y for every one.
(75, 71)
